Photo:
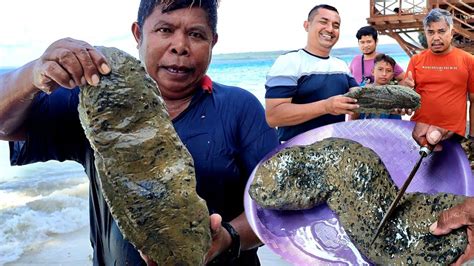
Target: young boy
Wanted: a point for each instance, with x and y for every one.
(383, 70)
(383, 73)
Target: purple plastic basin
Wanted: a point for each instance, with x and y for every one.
(314, 237)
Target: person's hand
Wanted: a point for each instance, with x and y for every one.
(68, 63)
(402, 111)
(221, 239)
(453, 218)
(408, 80)
(430, 133)
(338, 105)
(368, 83)
(354, 88)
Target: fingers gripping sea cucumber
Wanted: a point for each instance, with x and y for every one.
(355, 184)
(146, 173)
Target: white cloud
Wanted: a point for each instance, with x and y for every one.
(29, 27)
(265, 25)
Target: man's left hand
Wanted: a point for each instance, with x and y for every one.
(221, 239)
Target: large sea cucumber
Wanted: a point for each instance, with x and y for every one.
(146, 174)
(355, 184)
(384, 99)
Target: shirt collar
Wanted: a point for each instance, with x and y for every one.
(206, 84)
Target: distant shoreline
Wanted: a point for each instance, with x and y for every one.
(345, 51)
(392, 49)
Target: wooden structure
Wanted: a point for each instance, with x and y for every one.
(403, 21)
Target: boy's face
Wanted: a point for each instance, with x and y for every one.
(383, 73)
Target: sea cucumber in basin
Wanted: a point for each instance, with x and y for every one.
(355, 184)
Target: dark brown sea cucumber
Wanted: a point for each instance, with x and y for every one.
(384, 99)
(355, 184)
(146, 173)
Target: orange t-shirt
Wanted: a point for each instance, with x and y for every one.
(443, 81)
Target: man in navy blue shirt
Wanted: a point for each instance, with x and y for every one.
(223, 127)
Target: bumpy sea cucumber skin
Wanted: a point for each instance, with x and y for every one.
(384, 99)
(357, 187)
(146, 174)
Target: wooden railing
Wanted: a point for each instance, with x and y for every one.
(397, 7)
(400, 19)
(463, 16)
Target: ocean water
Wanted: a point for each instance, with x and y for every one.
(42, 200)
(249, 71)
(38, 201)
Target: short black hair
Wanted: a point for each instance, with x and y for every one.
(367, 31)
(147, 7)
(385, 58)
(314, 10)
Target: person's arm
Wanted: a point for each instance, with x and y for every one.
(16, 95)
(65, 63)
(281, 112)
(352, 117)
(400, 76)
(409, 78)
(248, 239)
(221, 239)
(399, 73)
(470, 87)
(456, 217)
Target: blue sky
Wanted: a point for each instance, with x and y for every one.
(28, 27)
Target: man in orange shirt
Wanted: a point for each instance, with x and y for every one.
(444, 77)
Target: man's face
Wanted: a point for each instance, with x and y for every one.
(439, 37)
(176, 49)
(383, 73)
(323, 29)
(367, 44)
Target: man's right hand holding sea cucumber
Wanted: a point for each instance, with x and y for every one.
(68, 63)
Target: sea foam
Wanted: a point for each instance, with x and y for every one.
(37, 202)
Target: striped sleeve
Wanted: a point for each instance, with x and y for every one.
(282, 79)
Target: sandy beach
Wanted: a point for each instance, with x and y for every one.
(74, 249)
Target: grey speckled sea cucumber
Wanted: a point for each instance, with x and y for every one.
(383, 99)
(355, 184)
(146, 173)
